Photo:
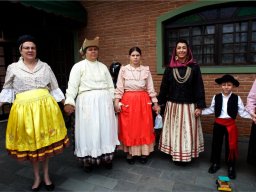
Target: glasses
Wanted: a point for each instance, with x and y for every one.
(29, 48)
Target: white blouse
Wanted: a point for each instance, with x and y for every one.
(19, 79)
(86, 76)
(224, 114)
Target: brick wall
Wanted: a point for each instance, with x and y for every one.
(124, 24)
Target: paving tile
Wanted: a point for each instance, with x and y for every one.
(102, 181)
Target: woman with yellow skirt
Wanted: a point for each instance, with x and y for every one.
(36, 129)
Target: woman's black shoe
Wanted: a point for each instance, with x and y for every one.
(131, 161)
(37, 188)
(143, 160)
(181, 163)
(49, 187)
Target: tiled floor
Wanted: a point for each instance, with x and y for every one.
(159, 174)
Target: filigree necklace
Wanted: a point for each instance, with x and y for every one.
(180, 79)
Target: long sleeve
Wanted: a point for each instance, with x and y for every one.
(150, 88)
(241, 109)
(7, 93)
(164, 88)
(73, 85)
(119, 91)
(199, 88)
(251, 99)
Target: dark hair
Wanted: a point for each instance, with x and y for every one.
(134, 49)
(182, 41)
(25, 38)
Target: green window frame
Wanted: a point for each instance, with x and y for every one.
(222, 35)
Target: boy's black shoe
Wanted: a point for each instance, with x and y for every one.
(231, 172)
(214, 168)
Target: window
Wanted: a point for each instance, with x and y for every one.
(218, 35)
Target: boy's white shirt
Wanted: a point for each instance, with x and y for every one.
(241, 109)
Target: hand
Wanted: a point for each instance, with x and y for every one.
(156, 108)
(254, 120)
(69, 109)
(117, 107)
(198, 112)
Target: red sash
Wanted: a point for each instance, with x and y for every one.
(232, 136)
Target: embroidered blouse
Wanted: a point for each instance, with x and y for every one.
(135, 79)
(86, 76)
(19, 79)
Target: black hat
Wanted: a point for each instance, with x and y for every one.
(227, 78)
(25, 38)
(114, 69)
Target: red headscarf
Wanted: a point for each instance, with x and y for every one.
(189, 61)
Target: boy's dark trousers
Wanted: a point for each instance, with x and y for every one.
(220, 131)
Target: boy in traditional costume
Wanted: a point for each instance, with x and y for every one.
(225, 105)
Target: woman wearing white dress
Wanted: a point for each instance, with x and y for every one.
(90, 94)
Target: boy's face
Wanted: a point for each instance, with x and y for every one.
(227, 88)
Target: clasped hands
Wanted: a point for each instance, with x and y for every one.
(69, 109)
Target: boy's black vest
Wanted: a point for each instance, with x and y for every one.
(232, 105)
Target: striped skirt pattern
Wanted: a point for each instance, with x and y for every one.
(182, 135)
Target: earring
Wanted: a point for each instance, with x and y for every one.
(176, 57)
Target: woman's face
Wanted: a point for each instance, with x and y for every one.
(135, 58)
(92, 53)
(28, 50)
(181, 51)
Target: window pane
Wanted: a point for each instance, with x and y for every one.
(173, 34)
(184, 32)
(254, 26)
(197, 40)
(227, 48)
(210, 29)
(196, 31)
(208, 59)
(241, 26)
(227, 28)
(240, 47)
(254, 58)
(239, 58)
(253, 46)
(198, 59)
(254, 36)
(209, 39)
(227, 58)
(241, 37)
(228, 38)
(197, 50)
(209, 49)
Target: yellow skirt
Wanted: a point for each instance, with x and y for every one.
(36, 129)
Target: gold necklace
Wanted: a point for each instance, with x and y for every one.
(134, 75)
(180, 79)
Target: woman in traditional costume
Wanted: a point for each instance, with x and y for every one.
(182, 93)
(36, 129)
